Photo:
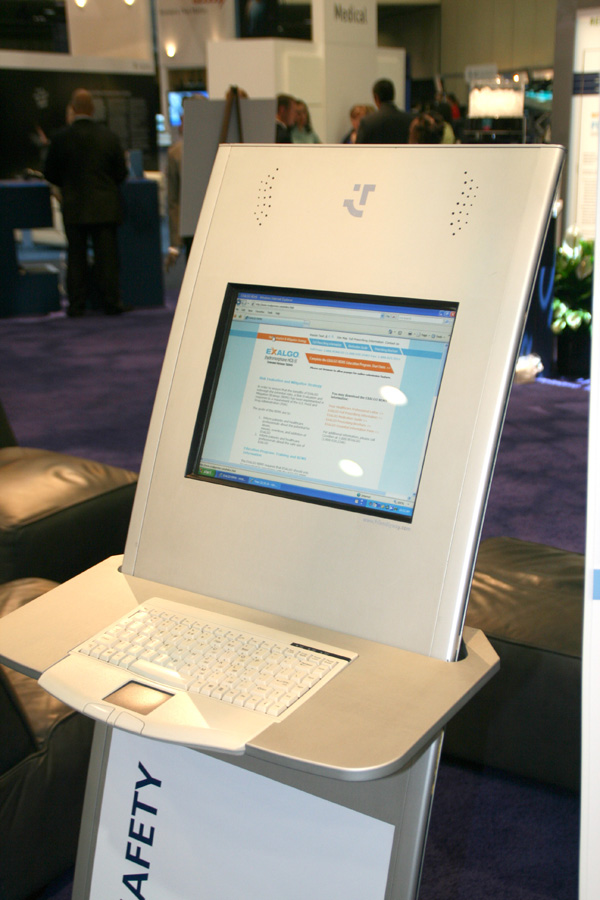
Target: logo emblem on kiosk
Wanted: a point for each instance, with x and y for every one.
(349, 204)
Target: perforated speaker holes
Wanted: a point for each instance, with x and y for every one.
(459, 218)
(265, 195)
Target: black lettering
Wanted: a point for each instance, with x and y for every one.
(136, 858)
(137, 804)
(350, 14)
(148, 779)
(130, 880)
(139, 835)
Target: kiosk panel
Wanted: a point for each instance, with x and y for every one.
(305, 486)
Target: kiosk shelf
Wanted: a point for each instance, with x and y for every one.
(389, 704)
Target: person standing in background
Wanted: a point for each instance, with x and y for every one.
(388, 125)
(177, 243)
(285, 118)
(86, 162)
(174, 167)
(302, 132)
(427, 128)
(358, 112)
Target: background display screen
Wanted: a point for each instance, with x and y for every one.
(323, 397)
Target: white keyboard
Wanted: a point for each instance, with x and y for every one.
(248, 669)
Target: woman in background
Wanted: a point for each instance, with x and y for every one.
(356, 114)
(426, 128)
(302, 132)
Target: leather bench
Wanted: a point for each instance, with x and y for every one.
(528, 599)
(44, 752)
(59, 514)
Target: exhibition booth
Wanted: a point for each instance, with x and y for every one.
(315, 477)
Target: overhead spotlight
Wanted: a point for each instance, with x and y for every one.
(129, 2)
(80, 3)
(170, 49)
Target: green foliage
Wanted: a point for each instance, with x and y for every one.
(573, 282)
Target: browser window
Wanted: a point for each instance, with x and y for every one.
(323, 397)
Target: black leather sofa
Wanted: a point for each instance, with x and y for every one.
(58, 515)
(528, 600)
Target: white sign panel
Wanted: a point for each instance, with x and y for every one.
(481, 73)
(178, 824)
(583, 156)
(350, 22)
(589, 870)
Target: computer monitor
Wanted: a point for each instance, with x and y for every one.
(322, 397)
(176, 100)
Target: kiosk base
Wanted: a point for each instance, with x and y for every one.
(169, 822)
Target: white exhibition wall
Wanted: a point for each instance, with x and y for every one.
(589, 865)
(185, 26)
(110, 29)
(107, 36)
(584, 169)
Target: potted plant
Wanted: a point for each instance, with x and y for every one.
(572, 304)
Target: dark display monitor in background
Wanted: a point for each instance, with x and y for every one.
(269, 18)
(176, 100)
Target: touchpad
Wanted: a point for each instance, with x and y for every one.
(138, 697)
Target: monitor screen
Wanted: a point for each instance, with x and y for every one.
(176, 100)
(323, 397)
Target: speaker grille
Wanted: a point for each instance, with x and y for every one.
(463, 206)
(265, 198)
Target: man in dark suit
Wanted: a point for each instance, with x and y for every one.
(389, 125)
(86, 161)
(285, 118)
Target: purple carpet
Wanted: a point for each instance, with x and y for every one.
(539, 487)
(84, 386)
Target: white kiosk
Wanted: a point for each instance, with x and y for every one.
(315, 474)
